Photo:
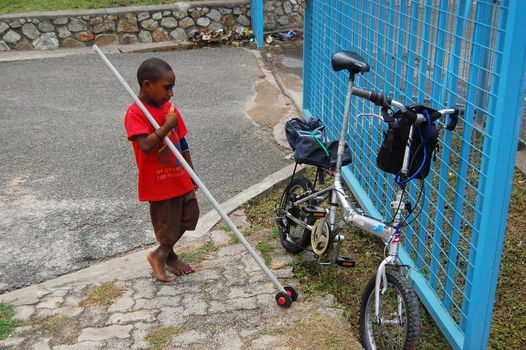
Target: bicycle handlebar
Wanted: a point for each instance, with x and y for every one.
(378, 98)
(386, 102)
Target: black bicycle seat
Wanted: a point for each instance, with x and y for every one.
(349, 60)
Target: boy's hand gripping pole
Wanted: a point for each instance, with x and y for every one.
(285, 296)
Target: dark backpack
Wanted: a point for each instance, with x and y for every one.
(391, 154)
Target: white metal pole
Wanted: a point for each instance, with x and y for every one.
(190, 171)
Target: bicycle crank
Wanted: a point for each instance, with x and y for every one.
(320, 238)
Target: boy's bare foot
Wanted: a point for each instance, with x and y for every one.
(176, 266)
(158, 268)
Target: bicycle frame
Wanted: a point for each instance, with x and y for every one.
(389, 233)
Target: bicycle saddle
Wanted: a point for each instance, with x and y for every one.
(349, 60)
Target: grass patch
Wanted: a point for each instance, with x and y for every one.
(199, 254)
(510, 299)
(161, 337)
(274, 331)
(102, 295)
(260, 212)
(17, 6)
(6, 320)
(302, 271)
(234, 239)
(265, 249)
(248, 231)
(224, 227)
(274, 233)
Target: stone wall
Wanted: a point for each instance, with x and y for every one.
(144, 24)
(283, 14)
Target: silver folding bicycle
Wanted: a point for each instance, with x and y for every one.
(389, 315)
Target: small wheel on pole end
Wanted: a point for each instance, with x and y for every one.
(292, 293)
(283, 299)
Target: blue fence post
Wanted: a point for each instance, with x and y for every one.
(500, 178)
(257, 21)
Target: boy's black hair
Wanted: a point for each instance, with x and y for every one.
(152, 69)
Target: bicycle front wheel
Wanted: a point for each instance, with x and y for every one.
(398, 324)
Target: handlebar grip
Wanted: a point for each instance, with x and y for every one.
(453, 120)
(361, 93)
(410, 116)
(378, 98)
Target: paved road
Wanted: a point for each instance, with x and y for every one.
(67, 173)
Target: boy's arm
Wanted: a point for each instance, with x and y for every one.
(147, 142)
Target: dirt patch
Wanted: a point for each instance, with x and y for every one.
(161, 337)
(269, 107)
(102, 295)
(320, 332)
(62, 329)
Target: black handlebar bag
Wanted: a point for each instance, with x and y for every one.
(307, 140)
(390, 157)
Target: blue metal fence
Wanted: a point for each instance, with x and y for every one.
(441, 53)
(257, 21)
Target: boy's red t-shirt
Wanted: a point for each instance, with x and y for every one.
(161, 176)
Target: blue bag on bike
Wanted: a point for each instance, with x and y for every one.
(297, 130)
(308, 141)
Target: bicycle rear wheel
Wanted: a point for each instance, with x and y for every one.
(398, 326)
(295, 237)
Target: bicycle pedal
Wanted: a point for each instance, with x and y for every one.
(345, 262)
(316, 212)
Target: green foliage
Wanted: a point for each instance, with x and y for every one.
(199, 254)
(6, 319)
(265, 249)
(225, 227)
(234, 239)
(17, 6)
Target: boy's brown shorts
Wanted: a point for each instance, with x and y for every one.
(172, 217)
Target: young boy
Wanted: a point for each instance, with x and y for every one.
(162, 180)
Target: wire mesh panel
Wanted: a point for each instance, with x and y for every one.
(257, 18)
(441, 53)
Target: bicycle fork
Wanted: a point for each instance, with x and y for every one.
(391, 259)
